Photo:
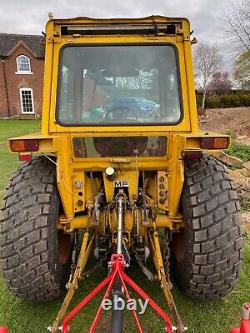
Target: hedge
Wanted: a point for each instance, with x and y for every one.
(224, 101)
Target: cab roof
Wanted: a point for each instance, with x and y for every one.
(98, 26)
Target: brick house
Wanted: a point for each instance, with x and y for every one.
(21, 75)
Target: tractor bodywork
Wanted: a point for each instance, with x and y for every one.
(120, 157)
(167, 144)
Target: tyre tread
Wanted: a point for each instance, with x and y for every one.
(27, 232)
(214, 246)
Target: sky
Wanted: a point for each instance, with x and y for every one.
(206, 16)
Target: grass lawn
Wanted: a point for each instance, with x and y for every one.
(8, 161)
(23, 317)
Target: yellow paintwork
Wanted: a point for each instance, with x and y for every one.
(58, 140)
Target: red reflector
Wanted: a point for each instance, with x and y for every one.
(214, 143)
(207, 143)
(24, 145)
(4, 329)
(25, 157)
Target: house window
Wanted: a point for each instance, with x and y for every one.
(27, 103)
(23, 64)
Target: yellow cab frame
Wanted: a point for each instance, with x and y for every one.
(183, 139)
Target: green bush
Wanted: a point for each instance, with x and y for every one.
(245, 204)
(198, 99)
(212, 102)
(240, 150)
(235, 99)
(245, 99)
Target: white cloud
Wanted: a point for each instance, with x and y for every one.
(206, 16)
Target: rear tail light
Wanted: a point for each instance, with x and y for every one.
(25, 157)
(24, 145)
(215, 143)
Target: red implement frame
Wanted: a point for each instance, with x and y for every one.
(117, 270)
(245, 321)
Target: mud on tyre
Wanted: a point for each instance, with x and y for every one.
(34, 255)
(208, 252)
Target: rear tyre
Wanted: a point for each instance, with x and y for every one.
(34, 256)
(208, 252)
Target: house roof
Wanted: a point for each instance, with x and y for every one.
(35, 43)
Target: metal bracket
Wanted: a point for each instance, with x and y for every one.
(72, 285)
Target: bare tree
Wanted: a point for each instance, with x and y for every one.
(220, 84)
(238, 24)
(241, 71)
(206, 62)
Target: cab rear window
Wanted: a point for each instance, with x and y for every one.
(118, 85)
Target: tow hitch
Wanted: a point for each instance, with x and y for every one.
(117, 267)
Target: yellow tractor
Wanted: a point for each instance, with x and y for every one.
(121, 161)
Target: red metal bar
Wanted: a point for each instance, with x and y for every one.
(151, 302)
(117, 264)
(100, 310)
(244, 327)
(137, 321)
(83, 303)
(245, 321)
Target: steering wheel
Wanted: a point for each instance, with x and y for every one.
(121, 114)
